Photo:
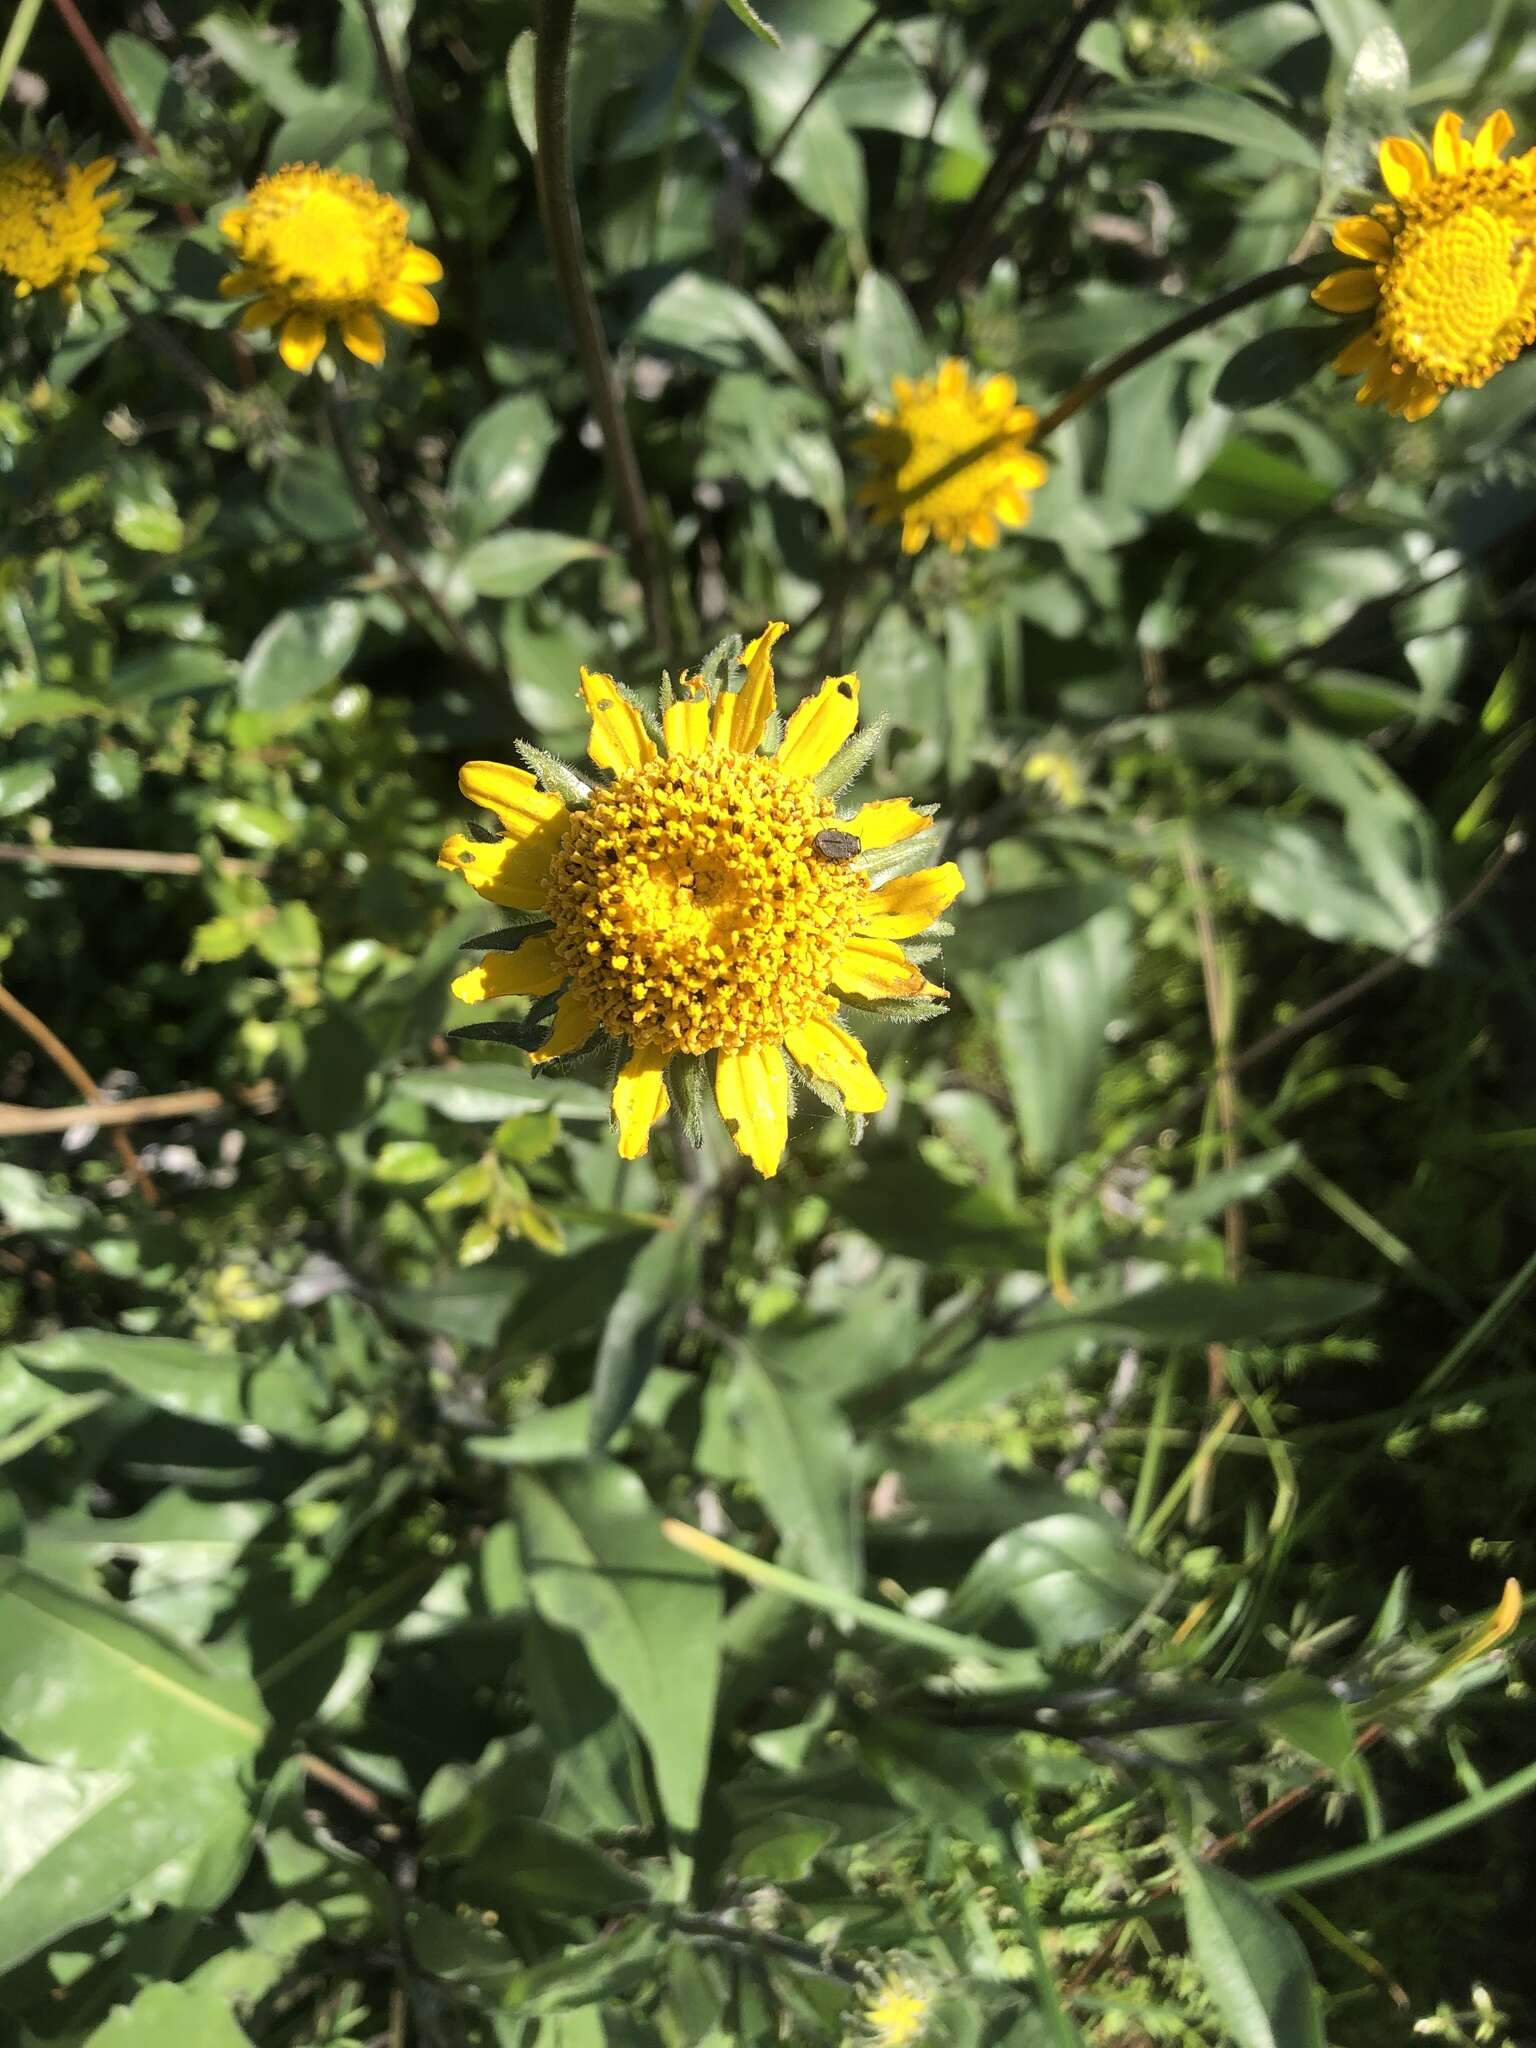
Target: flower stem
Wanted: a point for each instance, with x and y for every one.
(96, 57)
(23, 21)
(1264, 286)
(1095, 385)
(384, 533)
(562, 224)
(393, 81)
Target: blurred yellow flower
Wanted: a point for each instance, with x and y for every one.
(319, 249)
(1446, 269)
(897, 2010)
(704, 898)
(1057, 775)
(53, 222)
(932, 423)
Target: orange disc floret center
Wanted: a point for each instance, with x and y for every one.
(1458, 294)
(692, 909)
(322, 239)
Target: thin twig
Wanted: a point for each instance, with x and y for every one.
(555, 173)
(17, 1121)
(107, 79)
(840, 58)
(66, 1062)
(350, 1788)
(384, 533)
(1016, 152)
(128, 860)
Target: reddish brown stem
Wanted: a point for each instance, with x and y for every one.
(110, 84)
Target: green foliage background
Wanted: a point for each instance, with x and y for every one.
(1124, 1455)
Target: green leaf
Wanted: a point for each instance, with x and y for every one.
(75, 1843)
(1066, 1574)
(1273, 365)
(823, 165)
(84, 1685)
(552, 1870)
(181, 1377)
(1258, 1311)
(171, 2016)
(497, 465)
(309, 492)
(482, 1093)
(708, 322)
(1025, 919)
(1374, 104)
(299, 653)
(661, 1283)
(647, 1615)
(1189, 109)
(1049, 1015)
(904, 1205)
(520, 89)
(512, 564)
(23, 786)
(798, 1452)
(748, 14)
(1304, 1712)
(1252, 1960)
(1195, 1205)
(269, 66)
(887, 340)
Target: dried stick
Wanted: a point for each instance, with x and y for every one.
(127, 860)
(107, 79)
(17, 1121)
(64, 1059)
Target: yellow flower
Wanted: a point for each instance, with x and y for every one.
(931, 423)
(53, 222)
(1446, 269)
(322, 248)
(897, 2010)
(703, 898)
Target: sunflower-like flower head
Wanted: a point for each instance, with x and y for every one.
(319, 249)
(1446, 270)
(703, 898)
(53, 222)
(932, 426)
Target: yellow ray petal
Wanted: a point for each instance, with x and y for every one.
(835, 1056)
(619, 739)
(1348, 291)
(574, 1024)
(741, 716)
(908, 904)
(1492, 138)
(239, 284)
(412, 305)
(1451, 153)
(952, 379)
(532, 970)
(1360, 235)
(685, 726)
(752, 1091)
(511, 872)
(640, 1100)
(1404, 166)
(264, 313)
(885, 821)
(820, 726)
(999, 394)
(878, 969)
(364, 337)
(301, 340)
(1358, 356)
(1422, 400)
(419, 266)
(512, 793)
(914, 535)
